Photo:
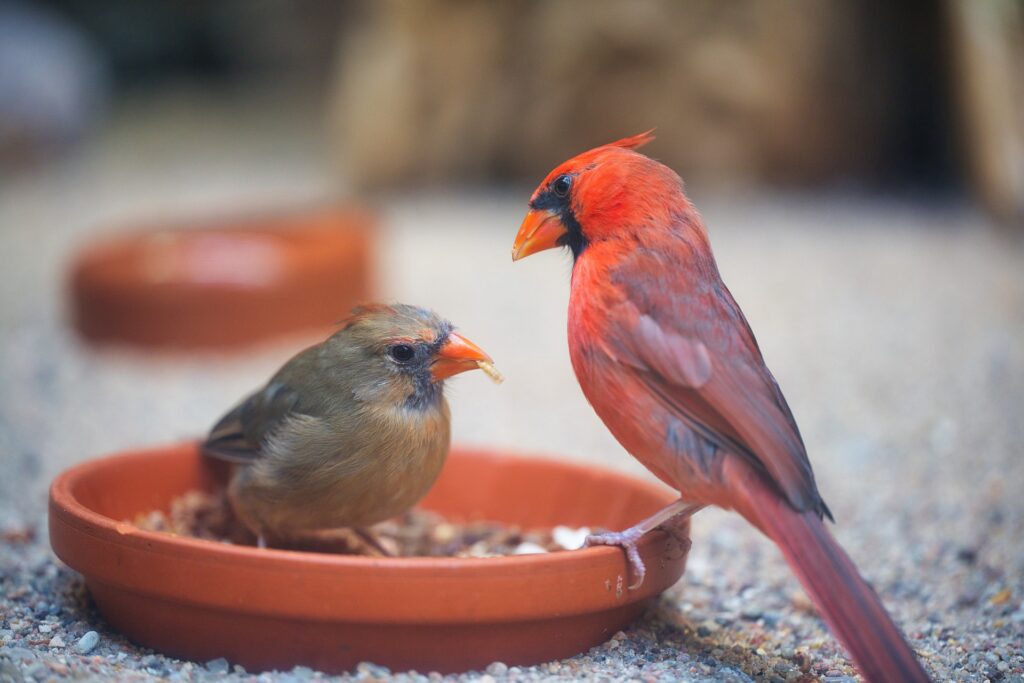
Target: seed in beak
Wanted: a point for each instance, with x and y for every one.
(490, 371)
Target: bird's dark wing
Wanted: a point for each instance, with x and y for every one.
(697, 355)
(239, 435)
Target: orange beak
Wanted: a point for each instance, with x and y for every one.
(458, 354)
(540, 230)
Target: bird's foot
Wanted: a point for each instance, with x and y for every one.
(673, 516)
(626, 540)
(373, 542)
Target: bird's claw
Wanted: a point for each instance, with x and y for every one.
(626, 540)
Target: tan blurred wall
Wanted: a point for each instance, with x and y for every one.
(988, 41)
(741, 92)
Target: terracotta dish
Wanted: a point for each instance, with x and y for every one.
(226, 283)
(274, 609)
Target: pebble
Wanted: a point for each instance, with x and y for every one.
(56, 641)
(36, 670)
(88, 642)
(218, 666)
(497, 668)
(373, 670)
(17, 654)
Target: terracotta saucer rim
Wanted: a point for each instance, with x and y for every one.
(100, 526)
(338, 588)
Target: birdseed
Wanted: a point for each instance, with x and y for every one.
(417, 533)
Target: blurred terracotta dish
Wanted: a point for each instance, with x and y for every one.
(226, 283)
(269, 609)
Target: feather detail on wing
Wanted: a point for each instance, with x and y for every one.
(712, 377)
(239, 435)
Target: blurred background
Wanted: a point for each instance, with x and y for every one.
(862, 95)
(860, 166)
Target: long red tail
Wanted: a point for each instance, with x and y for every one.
(846, 602)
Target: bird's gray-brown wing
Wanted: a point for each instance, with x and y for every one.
(239, 435)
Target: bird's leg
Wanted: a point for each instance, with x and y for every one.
(369, 539)
(261, 541)
(628, 538)
(677, 526)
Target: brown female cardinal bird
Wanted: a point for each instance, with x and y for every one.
(669, 363)
(349, 432)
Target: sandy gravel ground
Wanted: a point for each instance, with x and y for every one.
(896, 329)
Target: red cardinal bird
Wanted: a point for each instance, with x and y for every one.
(666, 358)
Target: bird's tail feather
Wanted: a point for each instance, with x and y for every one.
(846, 602)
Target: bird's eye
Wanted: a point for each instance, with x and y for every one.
(403, 353)
(561, 185)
